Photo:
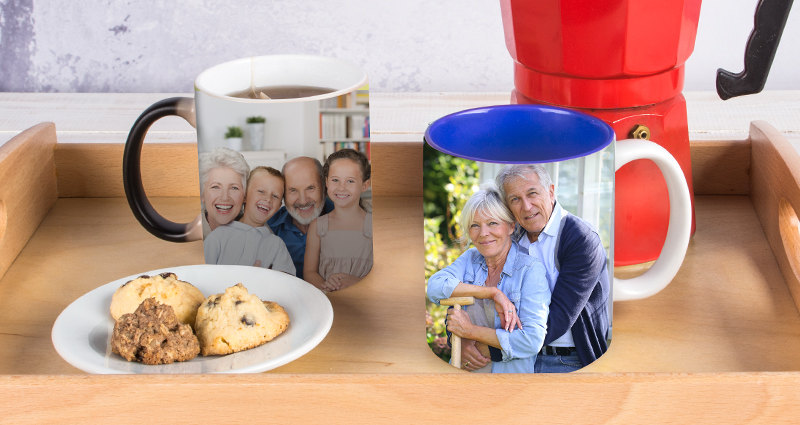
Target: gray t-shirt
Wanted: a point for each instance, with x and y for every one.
(237, 243)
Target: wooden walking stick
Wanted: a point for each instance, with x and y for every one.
(455, 340)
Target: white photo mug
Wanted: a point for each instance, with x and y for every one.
(213, 103)
(283, 154)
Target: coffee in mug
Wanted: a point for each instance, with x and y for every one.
(280, 92)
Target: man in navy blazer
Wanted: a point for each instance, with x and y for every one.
(577, 271)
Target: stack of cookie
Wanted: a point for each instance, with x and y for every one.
(155, 315)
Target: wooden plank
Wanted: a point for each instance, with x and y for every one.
(170, 169)
(167, 137)
(27, 188)
(89, 170)
(775, 190)
(89, 113)
(406, 115)
(711, 118)
(94, 170)
(754, 398)
(721, 167)
(397, 169)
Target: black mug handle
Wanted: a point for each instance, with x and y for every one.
(770, 19)
(149, 218)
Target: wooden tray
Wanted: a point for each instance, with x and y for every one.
(726, 331)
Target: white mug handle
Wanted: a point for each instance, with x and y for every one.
(666, 266)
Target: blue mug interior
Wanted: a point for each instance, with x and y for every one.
(515, 134)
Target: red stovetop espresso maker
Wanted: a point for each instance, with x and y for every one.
(622, 61)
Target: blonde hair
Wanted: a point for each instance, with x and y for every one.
(271, 171)
(488, 201)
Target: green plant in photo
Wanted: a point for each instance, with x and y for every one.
(448, 184)
(256, 120)
(234, 131)
(435, 332)
(437, 256)
(441, 170)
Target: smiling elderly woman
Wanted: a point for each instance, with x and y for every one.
(510, 287)
(223, 181)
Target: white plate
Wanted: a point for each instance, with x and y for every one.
(82, 332)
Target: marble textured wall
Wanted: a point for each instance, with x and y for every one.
(405, 45)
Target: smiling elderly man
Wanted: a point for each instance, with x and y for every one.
(576, 264)
(304, 200)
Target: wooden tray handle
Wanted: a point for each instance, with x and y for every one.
(775, 192)
(28, 189)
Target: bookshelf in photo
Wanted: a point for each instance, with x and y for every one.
(344, 123)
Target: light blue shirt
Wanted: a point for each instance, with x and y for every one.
(523, 281)
(544, 250)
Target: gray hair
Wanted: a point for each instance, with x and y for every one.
(488, 201)
(223, 158)
(520, 171)
(319, 171)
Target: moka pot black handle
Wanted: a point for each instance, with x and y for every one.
(769, 21)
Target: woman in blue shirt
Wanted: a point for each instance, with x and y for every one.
(513, 284)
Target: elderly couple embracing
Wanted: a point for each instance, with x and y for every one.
(539, 275)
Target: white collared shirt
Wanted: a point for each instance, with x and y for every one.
(544, 250)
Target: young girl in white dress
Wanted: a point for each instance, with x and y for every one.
(339, 244)
(248, 242)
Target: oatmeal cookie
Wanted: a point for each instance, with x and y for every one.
(165, 288)
(153, 335)
(235, 321)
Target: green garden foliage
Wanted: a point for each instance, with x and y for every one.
(447, 183)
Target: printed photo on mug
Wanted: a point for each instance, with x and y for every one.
(284, 167)
(519, 237)
(286, 185)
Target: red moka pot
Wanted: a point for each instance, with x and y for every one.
(623, 62)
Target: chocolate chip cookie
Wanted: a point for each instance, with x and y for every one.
(153, 335)
(236, 321)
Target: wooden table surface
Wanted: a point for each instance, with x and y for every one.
(728, 319)
(379, 326)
